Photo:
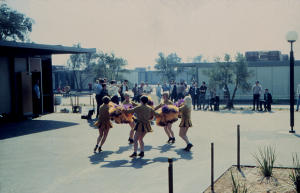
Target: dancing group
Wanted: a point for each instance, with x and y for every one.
(144, 114)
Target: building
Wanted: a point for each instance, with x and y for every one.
(21, 65)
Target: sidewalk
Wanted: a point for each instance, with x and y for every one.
(54, 153)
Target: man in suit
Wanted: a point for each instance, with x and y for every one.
(214, 101)
(267, 101)
(123, 88)
(194, 92)
(173, 92)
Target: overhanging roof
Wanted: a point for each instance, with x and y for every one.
(40, 49)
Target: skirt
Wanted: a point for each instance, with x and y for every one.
(144, 127)
(103, 125)
(185, 123)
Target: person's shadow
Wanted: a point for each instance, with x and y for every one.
(96, 158)
(165, 148)
(184, 154)
(124, 148)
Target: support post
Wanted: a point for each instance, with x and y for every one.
(212, 167)
(238, 147)
(170, 160)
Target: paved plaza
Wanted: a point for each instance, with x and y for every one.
(54, 153)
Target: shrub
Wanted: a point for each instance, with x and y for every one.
(295, 173)
(237, 187)
(266, 163)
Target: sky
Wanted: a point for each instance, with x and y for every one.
(137, 30)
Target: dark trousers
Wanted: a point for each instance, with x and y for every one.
(98, 100)
(122, 98)
(115, 99)
(266, 104)
(36, 106)
(195, 100)
(174, 96)
(139, 98)
(179, 96)
(202, 100)
(255, 99)
(216, 106)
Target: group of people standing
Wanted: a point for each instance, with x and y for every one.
(143, 114)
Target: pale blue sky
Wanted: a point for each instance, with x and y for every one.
(138, 30)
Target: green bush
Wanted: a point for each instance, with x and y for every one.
(237, 187)
(295, 173)
(266, 163)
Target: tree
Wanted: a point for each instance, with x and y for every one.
(228, 72)
(82, 67)
(14, 25)
(191, 71)
(109, 66)
(168, 73)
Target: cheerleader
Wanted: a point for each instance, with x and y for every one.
(103, 123)
(143, 126)
(127, 101)
(168, 128)
(186, 122)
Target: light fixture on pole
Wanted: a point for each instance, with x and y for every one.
(291, 37)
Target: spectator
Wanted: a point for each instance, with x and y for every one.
(178, 91)
(298, 94)
(214, 101)
(256, 94)
(135, 93)
(202, 91)
(267, 101)
(98, 97)
(67, 89)
(173, 92)
(194, 92)
(90, 85)
(114, 92)
(36, 97)
(123, 89)
(165, 87)
(225, 94)
(58, 89)
(169, 86)
(148, 88)
(103, 93)
(158, 92)
(140, 91)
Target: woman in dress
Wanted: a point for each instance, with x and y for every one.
(127, 101)
(186, 122)
(168, 128)
(103, 123)
(143, 126)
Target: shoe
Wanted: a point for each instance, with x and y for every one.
(189, 146)
(265, 110)
(253, 110)
(185, 149)
(95, 149)
(260, 110)
(210, 110)
(296, 110)
(133, 155)
(173, 140)
(99, 149)
(141, 154)
(170, 139)
(131, 141)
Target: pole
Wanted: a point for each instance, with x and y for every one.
(212, 167)
(93, 105)
(238, 147)
(170, 160)
(90, 98)
(292, 89)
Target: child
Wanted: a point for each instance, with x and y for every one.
(143, 126)
(186, 121)
(103, 123)
(127, 101)
(168, 128)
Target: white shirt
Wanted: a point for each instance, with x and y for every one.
(158, 89)
(99, 88)
(124, 89)
(148, 88)
(114, 90)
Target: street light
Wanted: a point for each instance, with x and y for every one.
(291, 37)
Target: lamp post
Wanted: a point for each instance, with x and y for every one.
(291, 37)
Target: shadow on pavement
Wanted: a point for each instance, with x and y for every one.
(124, 148)
(297, 135)
(16, 129)
(91, 122)
(184, 154)
(165, 148)
(96, 158)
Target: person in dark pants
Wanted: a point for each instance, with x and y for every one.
(173, 92)
(98, 97)
(123, 89)
(202, 91)
(256, 94)
(103, 93)
(214, 101)
(135, 93)
(267, 101)
(140, 91)
(194, 92)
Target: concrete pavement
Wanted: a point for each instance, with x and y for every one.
(54, 153)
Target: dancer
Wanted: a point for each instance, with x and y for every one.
(186, 121)
(127, 101)
(143, 126)
(103, 123)
(168, 128)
